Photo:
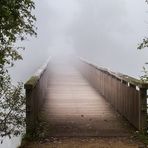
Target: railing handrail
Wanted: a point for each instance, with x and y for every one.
(31, 83)
(35, 89)
(120, 76)
(127, 94)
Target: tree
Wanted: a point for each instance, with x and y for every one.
(143, 45)
(145, 40)
(16, 23)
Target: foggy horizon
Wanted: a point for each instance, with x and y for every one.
(106, 33)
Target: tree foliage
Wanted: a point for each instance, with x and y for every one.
(16, 23)
(145, 40)
(143, 44)
(144, 77)
(12, 105)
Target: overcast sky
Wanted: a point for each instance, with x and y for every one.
(108, 32)
(105, 32)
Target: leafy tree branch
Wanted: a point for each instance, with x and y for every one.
(16, 23)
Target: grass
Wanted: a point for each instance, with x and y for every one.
(143, 137)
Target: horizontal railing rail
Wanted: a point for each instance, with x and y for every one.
(126, 94)
(35, 89)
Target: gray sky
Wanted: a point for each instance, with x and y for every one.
(104, 32)
(107, 33)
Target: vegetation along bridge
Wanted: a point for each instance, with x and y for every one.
(76, 98)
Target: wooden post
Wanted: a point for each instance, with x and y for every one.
(143, 109)
(29, 112)
(121, 91)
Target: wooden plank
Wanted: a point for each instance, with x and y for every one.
(120, 90)
(74, 108)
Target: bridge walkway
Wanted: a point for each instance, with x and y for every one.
(74, 108)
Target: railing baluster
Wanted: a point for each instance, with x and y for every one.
(35, 96)
(121, 91)
(143, 109)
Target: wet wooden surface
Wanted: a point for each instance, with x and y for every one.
(74, 108)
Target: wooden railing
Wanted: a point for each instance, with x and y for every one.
(35, 88)
(126, 94)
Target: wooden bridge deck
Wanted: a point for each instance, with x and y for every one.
(74, 108)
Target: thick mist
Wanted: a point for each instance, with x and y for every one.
(108, 32)
(105, 33)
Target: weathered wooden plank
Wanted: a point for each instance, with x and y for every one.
(74, 108)
(120, 90)
(35, 89)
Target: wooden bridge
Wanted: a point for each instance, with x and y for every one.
(75, 98)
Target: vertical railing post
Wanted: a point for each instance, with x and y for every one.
(127, 94)
(35, 96)
(29, 111)
(143, 109)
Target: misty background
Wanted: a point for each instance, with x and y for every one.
(105, 33)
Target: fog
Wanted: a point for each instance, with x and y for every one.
(105, 33)
(108, 32)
